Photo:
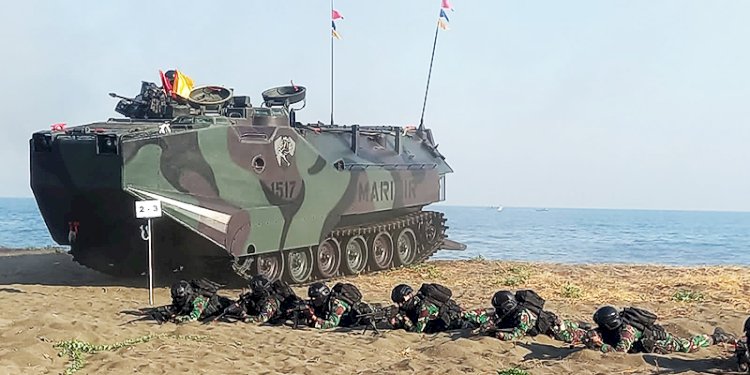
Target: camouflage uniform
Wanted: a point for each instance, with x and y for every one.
(479, 317)
(336, 310)
(268, 310)
(199, 305)
(676, 344)
(427, 313)
(568, 331)
(524, 321)
(629, 336)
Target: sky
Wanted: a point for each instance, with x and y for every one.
(591, 104)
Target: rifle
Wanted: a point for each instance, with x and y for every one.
(740, 352)
(378, 314)
(234, 309)
(161, 314)
(493, 331)
(301, 308)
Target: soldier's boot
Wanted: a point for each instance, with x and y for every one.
(720, 336)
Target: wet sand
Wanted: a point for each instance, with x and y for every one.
(48, 298)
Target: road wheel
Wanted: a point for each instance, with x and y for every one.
(328, 258)
(406, 247)
(355, 255)
(381, 253)
(299, 265)
(269, 265)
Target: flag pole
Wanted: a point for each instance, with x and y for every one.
(429, 75)
(331, 63)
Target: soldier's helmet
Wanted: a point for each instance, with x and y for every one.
(181, 292)
(318, 293)
(504, 303)
(607, 317)
(399, 293)
(259, 285)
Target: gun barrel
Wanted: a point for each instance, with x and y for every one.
(134, 100)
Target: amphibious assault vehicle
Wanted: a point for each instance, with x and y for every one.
(243, 188)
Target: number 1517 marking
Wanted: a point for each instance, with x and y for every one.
(283, 189)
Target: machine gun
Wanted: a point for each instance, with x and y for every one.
(151, 103)
(740, 352)
(234, 310)
(161, 314)
(495, 331)
(300, 310)
(134, 100)
(375, 315)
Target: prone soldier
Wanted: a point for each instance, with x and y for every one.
(428, 310)
(514, 316)
(261, 304)
(196, 300)
(635, 330)
(333, 308)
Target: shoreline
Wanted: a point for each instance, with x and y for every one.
(7, 251)
(10, 251)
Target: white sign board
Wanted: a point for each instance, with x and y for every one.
(147, 209)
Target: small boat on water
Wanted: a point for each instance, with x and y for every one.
(542, 209)
(499, 208)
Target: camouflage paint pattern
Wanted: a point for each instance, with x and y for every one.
(234, 187)
(209, 180)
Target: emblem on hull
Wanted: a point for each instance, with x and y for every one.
(284, 148)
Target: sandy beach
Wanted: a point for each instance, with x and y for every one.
(47, 298)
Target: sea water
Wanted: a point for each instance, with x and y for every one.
(599, 235)
(562, 235)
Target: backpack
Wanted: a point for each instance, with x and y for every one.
(351, 295)
(530, 300)
(450, 314)
(450, 311)
(347, 292)
(651, 335)
(436, 293)
(285, 294)
(282, 290)
(205, 287)
(639, 318)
